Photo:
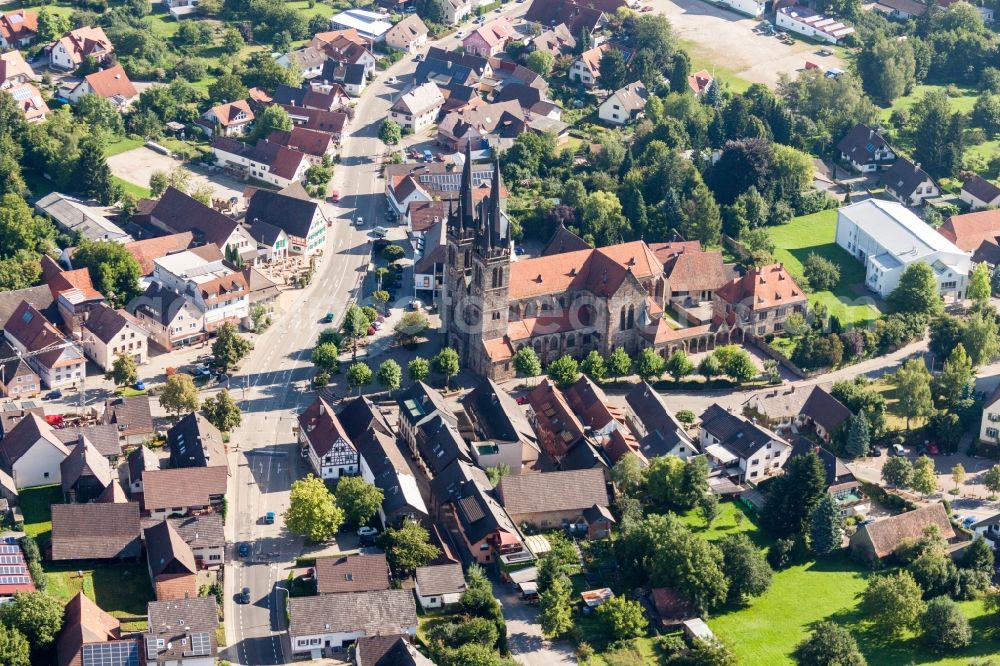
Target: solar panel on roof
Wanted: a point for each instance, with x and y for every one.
(11, 570)
(10, 559)
(7, 548)
(114, 653)
(14, 580)
(201, 645)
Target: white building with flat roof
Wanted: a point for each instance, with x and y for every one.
(811, 23)
(370, 25)
(887, 237)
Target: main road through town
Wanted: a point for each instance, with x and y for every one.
(273, 386)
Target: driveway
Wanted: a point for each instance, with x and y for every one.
(524, 633)
(724, 38)
(137, 165)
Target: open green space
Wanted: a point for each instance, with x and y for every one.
(36, 508)
(726, 523)
(963, 102)
(699, 61)
(132, 188)
(121, 145)
(120, 589)
(816, 233)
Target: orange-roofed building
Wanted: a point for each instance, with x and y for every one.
(759, 302)
(112, 84)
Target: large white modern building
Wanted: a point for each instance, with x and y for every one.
(370, 25)
(887, 237)
(752, 8)
(811, 23)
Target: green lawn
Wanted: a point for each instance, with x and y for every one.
(36, 506)
(700, 61)
(984, 151)
(122, 145)
(726, 524)
(963, 103)
(132, 188)
(815, 233)
(120, 589)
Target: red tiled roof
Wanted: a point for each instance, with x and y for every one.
(145, 251)
(696, 271)
(699, 81)
(762, 288)
(228, 114)
(18, 24)
(110, 82)
(971, 230)
(61, 281)
(600, 271)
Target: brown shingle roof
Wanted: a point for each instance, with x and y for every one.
(185, 487)
(553, 491)
(166, 551)
(886, 534)
(111, 82)
(104, 438)
(440, 579)
(84, 622)
(382, 612)
(179, 213)
(95, 531)
(84, 460)
(106, 322)
(145, 251)
(23, 436)
(130, 414)
(696, 271)
(357, 573)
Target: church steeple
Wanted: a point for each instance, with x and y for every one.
(466, 211)
(497, 234)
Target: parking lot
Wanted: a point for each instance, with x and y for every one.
(726, 39)
(136, 166)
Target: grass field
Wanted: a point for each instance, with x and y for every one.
(815, 233)
(36, 507)
(699, 62)
(131, 188)
(963, 102)
(120, 589)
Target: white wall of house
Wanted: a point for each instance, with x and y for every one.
(989, 427)
(767, 460)
(579, 71)
(39, 466)
(925, 190)
(213, 556)
(749, 7)
(327, 468)
(612, 111)
(975, 203)
(60, 58)
(437, 601)
(416, 121)
(314, 643)
(259, 170)
(130, 341)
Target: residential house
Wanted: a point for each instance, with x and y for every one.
(623, 105)
(353, 573)
(558, 427)
(435, 179)
(534, 104)
(382, 463)
(315, 144)
(263, 291)
(149, 249)
(908, 183)
(103, 438)
(408, 35)
(372, 26)
(17, 379)
(320, 120)
(268, 162)
(693, 276)
(80, 218)
(989, 425)
(300, 218)
(825, 413)
(18, 28)
(85, 473)
(439, 585)
(978, 193)
(111, 84)
(428, 266)
(58, 361)
(229, 119)
(170, 562)
(213, 285)
(95, 532)
(778, 408)
(308, 60)
(456, 11)
(331, 621)
(272, 242)
(760, 301)
(700, 82)
(31, 453)
(131, 415)
(977, 233)
(181, 8)
(90, 636)
(496, 124)
(752, 8)
(312, 96)
(324, 442)
(576, 16)
(41, 297)
(391, 650)
(418, 108)
(605, 423)
(17, 578)
(841, 483)
(655, 426)
(176, 212)
(170, 319)
(73, 292)
(553, 499)
(29, 100)
(880, 539)
(490, 38)
(195, 442)
(887, 238)
(352, 77)
(745, 450)
(170, 492)
(988, 528)
(587, 67)
(865, 149)
(140, 461)
(418, 405)
(182, 632)
(109, 333)
(14, 69)
(69, 51)
(903, 10)
(557, 41)
(810, 23)
(205, 536)
(497, 429)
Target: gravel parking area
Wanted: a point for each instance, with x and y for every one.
(726, 39)
(136, 166)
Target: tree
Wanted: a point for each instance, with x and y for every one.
(744, 565)
(623, 618)
(526, 362)
(680, 68)
(924, 479)
(958, 475)
(740, 368)
(858, 436)
(407, 547)
(955, 379)
(389, 132)
(913, 390)
(888, 69)
(979, 289)
(556, 608)
(312, 511)
(826, 526)
(898, 472)
(601, 216)
(593, 366)
(627, 474)
(229, 347)
(619, 363)
(325, 357)
(700, 217)
(540, 62)
(158, 183)
(563, 371)
(917, 291)
(179, 394)
(51, 26)
(945, 628)
(446, 364)
(123, 370)
(259, 318)
(991, 479)
(892, 602)
(14, 648)
(939, 150)
(821, 273)
(759, 246)
(613, 70)
(232, 42)
(390, 375)
(410, 327)
(418, 369)
(359, 499)
(227, 88)
(113, 270)
(980, 336)
(355, 327)
(222, 411)
(359, 375)
(37, 616)
(93, 176)
(829, 645)
(679, 365)
(709, 367)
(97, 111)
(649, 365)
(708, 507)
(792, 496)
(262, 71)
(272, 118)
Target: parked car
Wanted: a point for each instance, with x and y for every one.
(328, 319)
(269, 518)
(898, 450)
(522, 400)
(54, 394)
(969, 521)
(244, 549)
(139, 385)
(360, 222)
(875, 452)
(203, 371)
(334, 196)
(380, 232)
(416, 304)
(367, 534)
(245, 596)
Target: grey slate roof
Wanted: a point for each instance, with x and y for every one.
(496, 415)
(835, 469)
(180, 623)
(439, 443)
(180, 212)
(139, 461)
(664, 431)
(742, 437)
(904, 176)
(981, 188)
(861, 143)
(381, 612)
(103, 437)
(584, 455)
(292, 214)
(825, 410)
(440, 579)
(205, 531)
(194, 442)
